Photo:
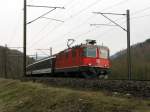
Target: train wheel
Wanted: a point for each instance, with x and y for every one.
(101, 76)
(105, 76)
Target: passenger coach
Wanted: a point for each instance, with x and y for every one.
(44, 66)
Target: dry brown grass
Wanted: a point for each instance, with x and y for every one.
(16, 96)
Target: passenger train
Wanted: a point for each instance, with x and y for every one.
(86, 60)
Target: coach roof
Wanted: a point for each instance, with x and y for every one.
(44, 59)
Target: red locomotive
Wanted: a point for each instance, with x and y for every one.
(85, 60)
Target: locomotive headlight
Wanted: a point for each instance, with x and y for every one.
(89, 64)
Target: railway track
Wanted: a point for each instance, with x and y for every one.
(134, 88)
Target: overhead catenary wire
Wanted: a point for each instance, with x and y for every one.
(70, 3)
(113, 22)
(82, 10)
(43, 28)
(44, 6)
(91, 16)
(40, 39)
(111, 29)
(42, 16)
(109, 7)
(58, 25)
(52, 19)
(137, 17)
(141, 10)
(103, 9)
(91, 30)
(121, 2)
(78, 12)
(43, 52)
(136, 12)
(131, 18)
(25, 31)
(106, 30)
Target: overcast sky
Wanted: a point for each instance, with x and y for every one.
(77, 17)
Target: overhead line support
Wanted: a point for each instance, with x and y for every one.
(103, 14)
(25, 28)
(102, 24)
(45, 6)
(128, 35)
(24, 37)
(110, 13)
(5, 60)
(41, 16)
(128, 46)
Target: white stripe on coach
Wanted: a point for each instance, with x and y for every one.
(47, 70)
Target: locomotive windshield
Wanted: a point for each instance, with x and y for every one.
(90, 52)
(103, 53)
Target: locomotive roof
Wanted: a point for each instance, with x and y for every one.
(83, 46)
(93, 46)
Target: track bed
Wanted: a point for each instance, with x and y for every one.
(135, 88)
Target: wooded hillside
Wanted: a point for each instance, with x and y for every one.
(140, 62)
(11, 63)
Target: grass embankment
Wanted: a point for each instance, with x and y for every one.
(17, 96)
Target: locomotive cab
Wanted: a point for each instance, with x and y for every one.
(95, 60)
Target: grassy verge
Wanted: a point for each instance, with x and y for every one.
(16, 96)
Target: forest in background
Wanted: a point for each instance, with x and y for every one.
(140, 57)
(11, 63)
